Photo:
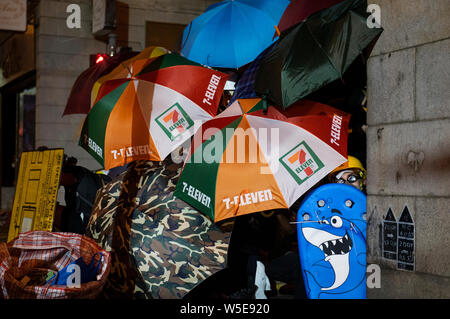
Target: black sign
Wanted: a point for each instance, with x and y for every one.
(405, 247)
(390, 236)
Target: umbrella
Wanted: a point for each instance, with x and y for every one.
(151, 111)
(245, 86)
(160, 247)
(299, 10)
(232, 33)
(79, 100)
(225, 176)
(314, 53)
(124, 69)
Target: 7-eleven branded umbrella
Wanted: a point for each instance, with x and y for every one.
(245, 160)
(151, 111)
(125, 69)
(79, 100)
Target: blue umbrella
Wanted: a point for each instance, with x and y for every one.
(232, 33)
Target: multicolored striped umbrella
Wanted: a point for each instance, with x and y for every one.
(79, 100)
(151, 111)
(124, 69)
(245, 160)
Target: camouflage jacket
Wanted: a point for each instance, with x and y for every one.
(160, 246)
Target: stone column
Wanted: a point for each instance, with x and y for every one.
(408, 143)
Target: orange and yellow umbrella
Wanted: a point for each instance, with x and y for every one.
(125, 68)
(247, 160)
(151, 110)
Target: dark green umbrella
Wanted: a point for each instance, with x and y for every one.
(315, 52)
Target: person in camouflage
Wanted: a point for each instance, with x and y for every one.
(160, 246)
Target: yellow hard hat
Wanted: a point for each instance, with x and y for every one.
(352, 162)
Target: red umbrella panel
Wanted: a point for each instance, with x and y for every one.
(299, 10)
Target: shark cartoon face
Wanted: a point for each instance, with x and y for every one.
(332, 242)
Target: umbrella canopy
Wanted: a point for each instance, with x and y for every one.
(160, 246)
(245, 86)
(126, 68)
(232, 33)
(286, 154)
(150, 112)
(79, 101)
(299, 10)
(314, 53)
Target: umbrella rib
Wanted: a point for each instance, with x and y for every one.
(321, 48)
(126, 66)
(141, 106)
(258, 35)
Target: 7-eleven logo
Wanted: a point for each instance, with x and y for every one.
(174, 121)
(301, 162)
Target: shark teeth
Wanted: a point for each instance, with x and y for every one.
(339, 246)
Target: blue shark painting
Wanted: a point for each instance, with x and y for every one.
(331, 231)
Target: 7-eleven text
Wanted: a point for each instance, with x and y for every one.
(248, 198)
(196, 194)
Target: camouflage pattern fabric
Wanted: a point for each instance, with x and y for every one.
(160, 246)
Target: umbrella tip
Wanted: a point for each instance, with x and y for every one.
(277, 30)
(264, 101)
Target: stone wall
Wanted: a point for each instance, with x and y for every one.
(408, 152)
(62, 54)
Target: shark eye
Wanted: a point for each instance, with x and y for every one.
(336, 221)
(349, 203)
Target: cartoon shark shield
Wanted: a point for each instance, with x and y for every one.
(331, 234)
